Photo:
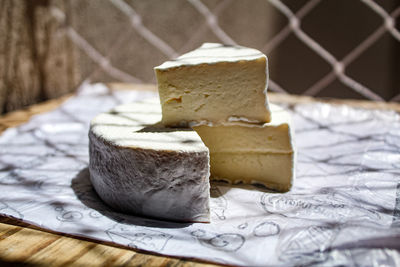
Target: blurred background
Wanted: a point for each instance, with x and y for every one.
(324, 48)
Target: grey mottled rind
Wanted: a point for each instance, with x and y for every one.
(170, 185)
(138, 166)
(163, 184)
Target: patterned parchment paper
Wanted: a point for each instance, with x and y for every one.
(344, 208)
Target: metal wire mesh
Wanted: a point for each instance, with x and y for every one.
(293, 26)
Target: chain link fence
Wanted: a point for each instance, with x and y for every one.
(341, 48)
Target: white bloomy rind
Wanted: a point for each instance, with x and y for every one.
(145, 169)
(211, 53)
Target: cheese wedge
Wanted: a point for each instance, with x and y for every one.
(215, 83)
(252, 154)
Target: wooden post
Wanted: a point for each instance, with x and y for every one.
(37, 61)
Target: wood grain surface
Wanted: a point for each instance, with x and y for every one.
(21, 243)
(37, 61)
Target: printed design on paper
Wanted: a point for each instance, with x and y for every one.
(226, 242)
(316, 206)
(348, 165)
(218, 203)
(307, 245)
(10, 211)
(266, 229)
(138, 237)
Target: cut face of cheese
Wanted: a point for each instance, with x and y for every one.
(214, 83)
(137, 166)
(252, 154)
(272, 170)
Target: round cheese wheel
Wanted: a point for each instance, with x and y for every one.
(140, 167)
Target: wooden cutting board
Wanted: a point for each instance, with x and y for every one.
(21, 243)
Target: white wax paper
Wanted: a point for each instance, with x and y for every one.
(344, 208)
